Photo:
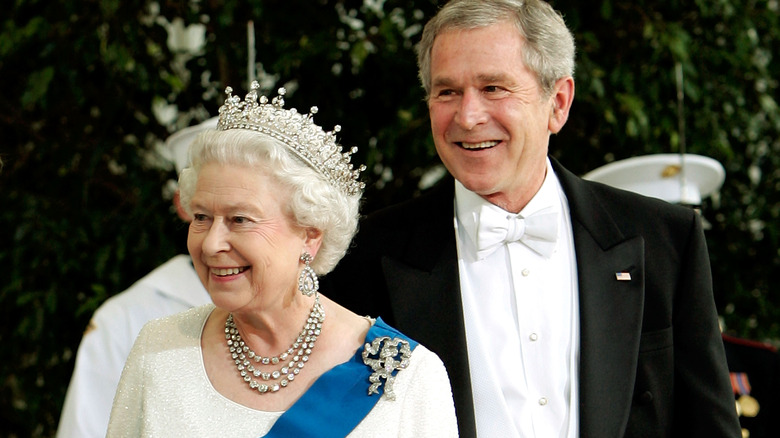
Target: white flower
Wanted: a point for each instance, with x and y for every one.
(190, 39)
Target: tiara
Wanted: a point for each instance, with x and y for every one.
(297, 131)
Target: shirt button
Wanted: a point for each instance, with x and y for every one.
(525, 272)
(542, 401)
(533, 336)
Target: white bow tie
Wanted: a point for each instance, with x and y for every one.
(538, 231)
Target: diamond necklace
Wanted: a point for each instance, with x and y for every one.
(304, 344)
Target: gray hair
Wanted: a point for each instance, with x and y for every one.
(549, 49)
(313, 201)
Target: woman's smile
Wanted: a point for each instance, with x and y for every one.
(225, 272)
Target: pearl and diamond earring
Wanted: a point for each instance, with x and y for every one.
(308, 283)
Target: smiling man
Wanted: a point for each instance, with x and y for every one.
(560, 307)
(491, 121)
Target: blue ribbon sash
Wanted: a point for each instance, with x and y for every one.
(338, 400)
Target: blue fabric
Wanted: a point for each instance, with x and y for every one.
(338, 401)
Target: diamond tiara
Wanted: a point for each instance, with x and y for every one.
(297, 131)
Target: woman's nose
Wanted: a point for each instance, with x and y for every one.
(216, 239)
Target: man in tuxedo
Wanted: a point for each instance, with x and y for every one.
(560, 307)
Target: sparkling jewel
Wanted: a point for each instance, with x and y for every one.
(300, 349)
(298, 132)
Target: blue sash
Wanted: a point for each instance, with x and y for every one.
(338, 400)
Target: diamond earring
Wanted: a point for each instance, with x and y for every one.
(308, 283)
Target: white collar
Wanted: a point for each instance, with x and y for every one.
(468, 204)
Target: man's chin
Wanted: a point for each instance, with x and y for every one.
(478, 184)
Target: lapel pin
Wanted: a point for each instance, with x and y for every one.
(623, 276)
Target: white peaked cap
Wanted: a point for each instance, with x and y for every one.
(675, 178)
(178, 144)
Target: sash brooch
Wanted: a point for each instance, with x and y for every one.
(386, 357)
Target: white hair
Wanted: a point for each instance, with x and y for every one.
(313, 201)
(549, 45)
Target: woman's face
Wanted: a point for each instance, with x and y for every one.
(243, 243)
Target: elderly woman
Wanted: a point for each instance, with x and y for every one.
(274, 202)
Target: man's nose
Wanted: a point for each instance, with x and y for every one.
(471, 111)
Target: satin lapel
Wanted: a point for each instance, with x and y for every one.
(424, 288)
(610, 309)
(610, 326)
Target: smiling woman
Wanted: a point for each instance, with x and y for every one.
(274, 202)
(245, 245)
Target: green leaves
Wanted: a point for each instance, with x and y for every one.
(37, 87)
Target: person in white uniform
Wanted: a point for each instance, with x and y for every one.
(274, 202)
(172, 287)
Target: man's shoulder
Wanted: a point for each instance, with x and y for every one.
(614, 199)
(622, 206)
(636, 207)
(146, 298)
(139, 295)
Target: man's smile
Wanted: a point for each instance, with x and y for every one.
(476, 146)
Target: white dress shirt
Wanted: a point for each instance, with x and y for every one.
(521, 314)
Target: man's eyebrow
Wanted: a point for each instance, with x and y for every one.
(442, 82)
(492, 77)
(484, 78)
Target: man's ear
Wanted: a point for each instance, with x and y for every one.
(561, 100)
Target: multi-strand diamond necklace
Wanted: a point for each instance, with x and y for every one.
(297, 354)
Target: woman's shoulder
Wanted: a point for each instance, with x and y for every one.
(187, 323)
(382, 336)
(380, 329)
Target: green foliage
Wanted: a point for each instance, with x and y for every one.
(626, 105)
(91, 89)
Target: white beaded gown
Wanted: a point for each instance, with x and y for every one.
(165, 392)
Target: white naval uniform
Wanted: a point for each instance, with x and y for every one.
(171, 288)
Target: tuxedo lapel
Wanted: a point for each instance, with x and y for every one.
(610, 315)
(424, 288)
(610, 309)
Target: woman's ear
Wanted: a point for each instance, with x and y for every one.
(179, 208)
(313, 241)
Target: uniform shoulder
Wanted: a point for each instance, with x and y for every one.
(749, 343)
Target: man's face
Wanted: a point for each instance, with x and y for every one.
(490, 121)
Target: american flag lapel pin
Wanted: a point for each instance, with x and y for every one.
(623, 276)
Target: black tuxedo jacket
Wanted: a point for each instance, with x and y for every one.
(651, 362)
